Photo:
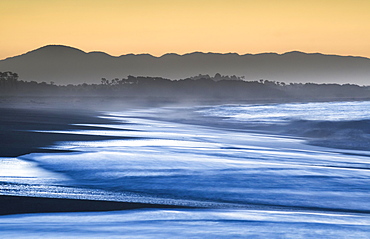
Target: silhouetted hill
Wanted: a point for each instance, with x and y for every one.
(67, 65)
(201, 88)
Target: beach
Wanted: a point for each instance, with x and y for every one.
(17, 126)
(20, 205)
(17, 138)
(222, 170)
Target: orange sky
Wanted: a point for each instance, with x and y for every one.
(181, 26)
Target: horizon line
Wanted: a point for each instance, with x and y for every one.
(184, 54)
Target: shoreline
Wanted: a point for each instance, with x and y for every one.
(17, 138)
(17, 126)
(23, 204)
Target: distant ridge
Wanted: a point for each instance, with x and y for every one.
(68, 65)
(52, 49)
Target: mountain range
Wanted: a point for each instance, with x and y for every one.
(67, 65)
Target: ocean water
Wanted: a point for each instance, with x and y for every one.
(276, 170)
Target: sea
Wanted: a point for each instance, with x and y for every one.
(292, 170)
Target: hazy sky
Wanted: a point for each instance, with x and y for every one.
(181, 26)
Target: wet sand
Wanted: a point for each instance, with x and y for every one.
(16, 139)
(16, 124)
(19, 204)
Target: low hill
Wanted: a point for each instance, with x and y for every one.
(67, 65)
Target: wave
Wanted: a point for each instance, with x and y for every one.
(354, 134)
(196, 165)
(344, 125)
(267, 179)
(195, 223)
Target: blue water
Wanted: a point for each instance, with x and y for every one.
(280, 113)
(277, 171)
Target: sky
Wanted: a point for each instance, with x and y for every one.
(157, 27)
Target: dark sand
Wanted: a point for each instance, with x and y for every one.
(15, 125)
(16, 140)
(18, 204)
